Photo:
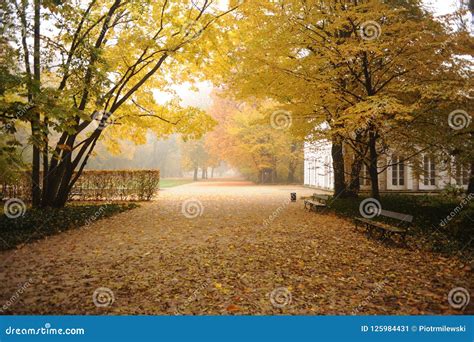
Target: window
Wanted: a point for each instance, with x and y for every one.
(398, 171)
(429, 171)
(462, 175)
(364, 175)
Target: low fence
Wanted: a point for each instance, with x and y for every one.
(97, 185)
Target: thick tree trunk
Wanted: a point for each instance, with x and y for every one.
(354, 185)
(373, 170)
(195, 178)
(338, 167)
(212, 172)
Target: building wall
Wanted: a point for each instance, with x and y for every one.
(318, 172)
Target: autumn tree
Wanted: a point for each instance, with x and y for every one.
(95, 69)
(194, 156)
(247, 140)
(359, 67)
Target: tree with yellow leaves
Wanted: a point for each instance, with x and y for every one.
(94, 67)
(362, 67)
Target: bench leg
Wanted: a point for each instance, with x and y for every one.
(404, 240)
(368, 230)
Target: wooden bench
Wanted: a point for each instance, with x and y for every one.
(400, 226)
(316, 201)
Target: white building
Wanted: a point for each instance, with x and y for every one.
(399, 176)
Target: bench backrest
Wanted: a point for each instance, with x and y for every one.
(397, 216)
(322, 197)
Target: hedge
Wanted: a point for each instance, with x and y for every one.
(97, 185)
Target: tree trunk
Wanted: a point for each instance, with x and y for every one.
(338, 167)
(354, 185)
(212, 172)
(373, 171)
(35, 122)
(195, 178)
(470, 187)
(292, 164)
(291, 174)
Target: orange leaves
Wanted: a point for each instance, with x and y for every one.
(233, 308)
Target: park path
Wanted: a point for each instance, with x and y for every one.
(247, 251)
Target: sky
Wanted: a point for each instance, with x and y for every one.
(202, 99)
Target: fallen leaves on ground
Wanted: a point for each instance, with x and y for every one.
(227, 261)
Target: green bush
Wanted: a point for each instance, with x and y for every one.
(38, 223)
(430, 224)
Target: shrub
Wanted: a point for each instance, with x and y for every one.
(97, 185)
(38, 223)
(430, 214)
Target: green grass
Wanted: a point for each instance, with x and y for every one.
(36, 223)
(172, 182)
(429, 219)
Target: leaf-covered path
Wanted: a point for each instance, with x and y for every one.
(247, 251)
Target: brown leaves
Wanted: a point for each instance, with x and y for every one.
(226, 262)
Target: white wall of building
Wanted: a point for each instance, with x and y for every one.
(318, 172)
